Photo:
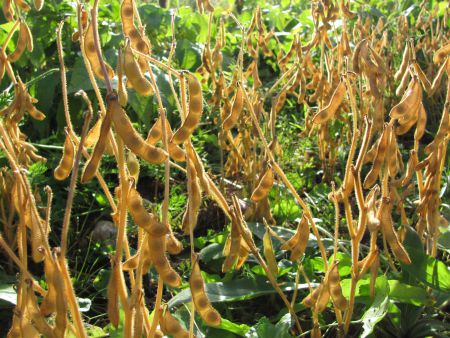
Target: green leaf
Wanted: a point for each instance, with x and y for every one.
(378, 309)
(234, 291)
(407, 293)
(424, 268)
(265, 329)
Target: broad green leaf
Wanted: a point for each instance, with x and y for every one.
(424, 268)
(265, 329)
(234, 290)
(378, 309)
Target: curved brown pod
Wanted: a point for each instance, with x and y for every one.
(298, 242)
(131, 137)
(335, 288)
(195, 111)
(330, 110)
(156, 251)
(209, 315)
(410, 101)
(134, 74)
(236, 109)
(65, 166)
(441, 53)
(171, 326)
(142, 218)
(264, 185)
(94, 161)
(24, 41)
(387, 227)
(382, 146)
(91, 54)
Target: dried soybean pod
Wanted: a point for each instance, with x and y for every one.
(38, 238)
(38, 4)
(195, 111)
(311, 298)
(133, 166)
(131, 137)
(171, 326)
(387, 227)
(412, 163)
(269, 254)
(22, 42)
(298, 242)
(155, 133)
(330, 110)
(134, 74)
(441, 53)
(438, 78)
(356, 56)
(403, 83)
(264, 185)
(48, 305)
(236, 110)
(379, 157)
(410, 101)
(175, 152)
(143, 218)
(392, 156)
(156, 251)
(173, 245)
(403, 66)
(93, 134)
(93, 163)
(231, 251)
(423, 78)
(209, 315)
(61, 304)
(335, 288)
(91, 54)
(443, 130)
(8, 11)
(421, 123)
(65, 166)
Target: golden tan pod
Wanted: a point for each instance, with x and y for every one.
(438, 78)
(173, 245)
(131, 137)
(335, 288)
(156, 251)
(387, 227)
(421, 123)
(8, 11)
(155, 133)
(236, 109)
(91, 53)
(264, 185)
(330, 110)
(324, 296)
(113, 296)
(423, 78)
(269, 253)
(133, 166)
(392, 156)
(171, 326)
(93, 163)
(195, 111)
(48, 305)
(134, 75)
(441, 53)
(443, 130)
(410, 101)
(298, 242)
(66, 164)
(121, 87)
(142, 218)
(25, 40)
(232, 246)
(379, 157)
(404, 65)
(38, 4)
(202, 305)
(311, 299)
